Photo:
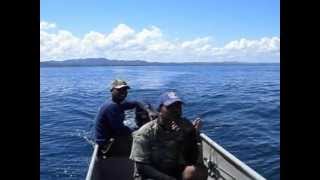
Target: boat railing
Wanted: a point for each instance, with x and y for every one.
(92, 162)
(232, 159)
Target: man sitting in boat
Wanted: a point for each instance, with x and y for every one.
(167, 148)
(109, 120)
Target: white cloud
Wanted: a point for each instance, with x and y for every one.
(150, 44)
(45, 25)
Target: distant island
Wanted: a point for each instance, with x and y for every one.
(108, 62)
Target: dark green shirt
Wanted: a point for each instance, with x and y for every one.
(161, 148)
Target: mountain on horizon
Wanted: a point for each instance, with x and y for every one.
(108, 62)
(92, 62)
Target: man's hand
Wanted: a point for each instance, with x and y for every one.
(197, 124)
(174, 126)
(105, 148)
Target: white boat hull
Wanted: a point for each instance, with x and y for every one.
(220, 163)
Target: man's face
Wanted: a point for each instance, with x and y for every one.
(118, 95)
(172, 112)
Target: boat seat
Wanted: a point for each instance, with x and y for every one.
(116, 168)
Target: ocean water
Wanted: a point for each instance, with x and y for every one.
(238, 103)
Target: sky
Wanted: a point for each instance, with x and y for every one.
(161, 30)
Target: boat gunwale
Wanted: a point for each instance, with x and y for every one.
(232, 159)
(92, 162)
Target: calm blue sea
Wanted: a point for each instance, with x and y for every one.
(239, 105)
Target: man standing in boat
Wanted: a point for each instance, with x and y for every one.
(109, 120)
(168, 147)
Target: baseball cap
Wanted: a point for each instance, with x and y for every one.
(117, 84)
(169, 98)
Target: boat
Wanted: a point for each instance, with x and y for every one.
(221, 164)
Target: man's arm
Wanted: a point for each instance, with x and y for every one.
(191, 140)
(147, 170)
(101, 132)
(136, 104)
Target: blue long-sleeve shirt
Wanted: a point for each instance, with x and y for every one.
(109, 121)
